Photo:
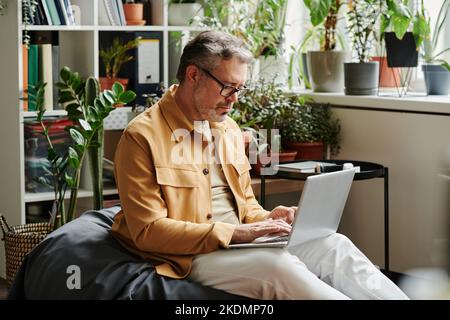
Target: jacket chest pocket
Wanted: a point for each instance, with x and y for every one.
(242, 167)
(179, 189)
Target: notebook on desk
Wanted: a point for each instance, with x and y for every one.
(319, 211)
(302, 166)
(314, 167)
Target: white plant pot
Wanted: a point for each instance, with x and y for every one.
(181, 13)
(326, 70)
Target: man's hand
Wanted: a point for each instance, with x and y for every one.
(250, 231)
(285, 213)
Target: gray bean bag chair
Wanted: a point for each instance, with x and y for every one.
(86, 248)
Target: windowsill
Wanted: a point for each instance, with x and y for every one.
(386, 100)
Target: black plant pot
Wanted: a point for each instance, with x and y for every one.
(401, 53)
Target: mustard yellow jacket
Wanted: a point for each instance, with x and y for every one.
(166, 204)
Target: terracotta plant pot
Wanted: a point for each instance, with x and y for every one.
(107, 83)
(389, 77)
(307, 150)
(133, 11)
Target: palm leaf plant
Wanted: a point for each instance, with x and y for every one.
(86, 107)
(58, 174)
(430, 49)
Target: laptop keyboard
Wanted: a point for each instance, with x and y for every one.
(266, 239)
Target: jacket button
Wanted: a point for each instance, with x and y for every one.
(205, 171)
(209, 216)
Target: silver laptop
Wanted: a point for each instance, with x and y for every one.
(319, 211)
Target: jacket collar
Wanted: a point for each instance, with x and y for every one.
(175, 117)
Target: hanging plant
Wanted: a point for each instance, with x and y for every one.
(3, 5)
(28, 11)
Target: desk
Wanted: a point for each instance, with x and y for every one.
(368, 170)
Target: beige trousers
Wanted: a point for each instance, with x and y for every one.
(327, 268)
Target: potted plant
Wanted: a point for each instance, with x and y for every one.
(134, 12)
(260, 24)
(310, 129)
(326, 66)
(113, 58)
(268, 32)
(388, 77)
(361, 77)
(298, 61)
(86, 107)
(259, 112)
(407, 32)
(436, 70)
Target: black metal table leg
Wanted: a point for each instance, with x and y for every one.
(386, 219)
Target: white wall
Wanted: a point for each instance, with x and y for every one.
(416, 148)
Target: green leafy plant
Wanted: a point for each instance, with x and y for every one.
(362, 19)
(397, 16)
(302, 121)
(260, 107)
(312, 39)
(86, 107)
(259, 23)
(58, 174)
(325, 13)
(430, 52)
(114, 56)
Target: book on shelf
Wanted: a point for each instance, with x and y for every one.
(33, 71)
(112, 4)
(55, 72)
(70, 13)
(104, 14)
(46, 73)
(53, 12)
(43, 5)
(119, 3)
(62, 12)
(38, 18)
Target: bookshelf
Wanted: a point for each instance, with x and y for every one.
(79, 47)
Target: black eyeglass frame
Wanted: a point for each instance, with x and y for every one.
(240, 91)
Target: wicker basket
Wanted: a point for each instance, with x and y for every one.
(19, 240)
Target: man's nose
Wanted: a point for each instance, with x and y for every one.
(233, 97)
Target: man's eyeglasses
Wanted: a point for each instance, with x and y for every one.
(226, 90)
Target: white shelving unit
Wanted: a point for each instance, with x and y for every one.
(79, 49)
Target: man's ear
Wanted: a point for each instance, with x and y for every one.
(192, 73)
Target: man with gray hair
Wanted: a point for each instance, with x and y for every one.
(182, 211)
